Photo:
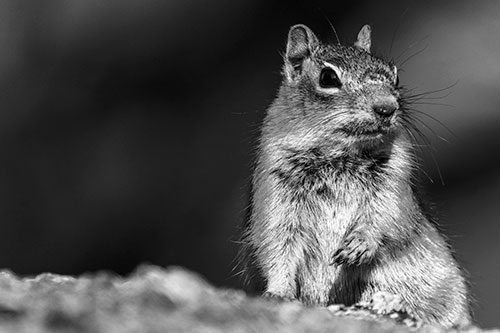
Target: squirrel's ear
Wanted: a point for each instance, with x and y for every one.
(301, 42)
(364, 41)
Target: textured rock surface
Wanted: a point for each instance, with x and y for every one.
(175, 300)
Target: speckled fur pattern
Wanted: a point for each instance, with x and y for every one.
(334, 217)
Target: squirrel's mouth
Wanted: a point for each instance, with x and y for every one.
(369, 131)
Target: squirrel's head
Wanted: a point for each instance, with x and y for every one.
(335, 92)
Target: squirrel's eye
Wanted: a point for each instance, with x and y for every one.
(329, 79)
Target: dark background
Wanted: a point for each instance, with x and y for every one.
(127, 127)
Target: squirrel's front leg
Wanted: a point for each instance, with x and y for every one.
(280, 258)
(363, 239)
(358, 246)
(280, 271)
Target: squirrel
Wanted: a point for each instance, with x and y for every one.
(334, 214)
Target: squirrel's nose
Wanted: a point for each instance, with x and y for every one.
(385, 109)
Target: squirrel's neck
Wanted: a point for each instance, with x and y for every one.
(317, 166)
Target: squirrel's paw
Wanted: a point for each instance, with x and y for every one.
(355, 249)
(270, 295)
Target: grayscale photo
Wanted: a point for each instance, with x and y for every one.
(249, 166)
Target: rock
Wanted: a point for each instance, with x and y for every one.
(175, 300)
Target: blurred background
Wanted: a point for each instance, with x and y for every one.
(127, 128)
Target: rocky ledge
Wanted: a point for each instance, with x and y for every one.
(175, 300)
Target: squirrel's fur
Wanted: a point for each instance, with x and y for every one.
(334, 217)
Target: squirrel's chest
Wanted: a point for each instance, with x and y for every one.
(322, 203)
(330, 214)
